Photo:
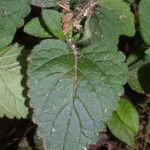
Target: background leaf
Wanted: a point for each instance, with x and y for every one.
(111, 19)
(139, 71)
(11, 99)
(36, 27)
(12, 13)
(144, 11)
(124, 122)
(70, 113)
(52, 19)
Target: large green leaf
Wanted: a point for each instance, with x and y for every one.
(52, 19)
(44, 3)
(124, 122)
(11, 99)
(12, 13)
(139, 71)
(111, 19)
(144, 11)
(36, 27)
(72, 103)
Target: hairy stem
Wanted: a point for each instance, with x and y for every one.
(75, 52)
(84, 9)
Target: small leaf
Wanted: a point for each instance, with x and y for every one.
(124, 122)
(139, 71)
(148, 51)
(72, 103)
(128, 114)
(111, 19)
(52, 19)
(36, 28)
(11, 99)
(144, 11)
(11, 17)
(44, 3)
(87, 32)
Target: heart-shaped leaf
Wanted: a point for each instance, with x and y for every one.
(72, 102)
(139, 71)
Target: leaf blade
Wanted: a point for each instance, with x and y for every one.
(79, 111)
(111, 19)
(144, 11)
(126, 128)
(11, 16)
(11, 99)
(52, 19)
(36, 28)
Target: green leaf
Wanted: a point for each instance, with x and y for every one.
(12, 13)
(72, 103)
(52, 19)
(144, 11)
(139, 71)
(124, 122)
(87, 34)
(128, 114)
(11, 99)
(111, 19)
(44, 3)
(36, 28)
(148, 51)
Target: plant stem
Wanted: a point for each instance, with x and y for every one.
(75, 52)
(83, 10)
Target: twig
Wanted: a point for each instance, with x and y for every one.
(73, 18)
(75, 52)
(83, 10)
